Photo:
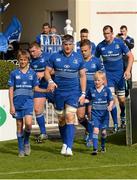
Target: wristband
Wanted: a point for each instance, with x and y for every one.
(83, 94)
(50, 81)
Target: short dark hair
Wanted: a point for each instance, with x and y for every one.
(84, 30)
(34, 44)
(46, 24)
(85, 42)
(123, 27)
(107, 27)
(67, 37)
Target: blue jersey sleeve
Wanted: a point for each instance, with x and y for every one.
(50, 62)
(100, 65)
(110, 96)
(35, 80)
(11, 79)
(97, 52)
(93, 48)
(124, 47)
(88, 94)
(38, 39)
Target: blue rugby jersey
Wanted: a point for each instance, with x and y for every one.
(100, 100)
(66, 70)
(23, 84)
(112, 55)
(38, 65)
(92, 66)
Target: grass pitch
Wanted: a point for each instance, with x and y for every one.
(45, 161)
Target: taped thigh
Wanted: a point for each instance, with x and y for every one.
(70, 109)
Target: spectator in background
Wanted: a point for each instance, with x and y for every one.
(84, 35)
(53, 30)
(129, 41)
(43, 39)
(55, 41)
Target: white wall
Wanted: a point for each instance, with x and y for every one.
(8, 129)
(113, 8)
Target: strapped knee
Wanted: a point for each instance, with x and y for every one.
(70, 109)
(59, 112)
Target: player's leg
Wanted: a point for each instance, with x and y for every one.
(59, 109)
(122, 101)
(27, 132)
(104, 125)
(103, 140)
(39, 104)
(112, 85)
(90, 127)
(70, 112)
(95, 140)
(82, 119)
(81, 116)
(20, 138)
(114, 111)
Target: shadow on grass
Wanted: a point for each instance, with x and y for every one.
(118, 138)
(9, 148)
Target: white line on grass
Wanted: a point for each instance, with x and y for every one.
(67, 169)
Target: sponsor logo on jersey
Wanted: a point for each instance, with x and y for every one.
(66, 66)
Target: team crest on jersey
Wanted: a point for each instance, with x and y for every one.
(117, 46)
(18, 77)
(58, 59)
(75, 61)
(105, 94)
